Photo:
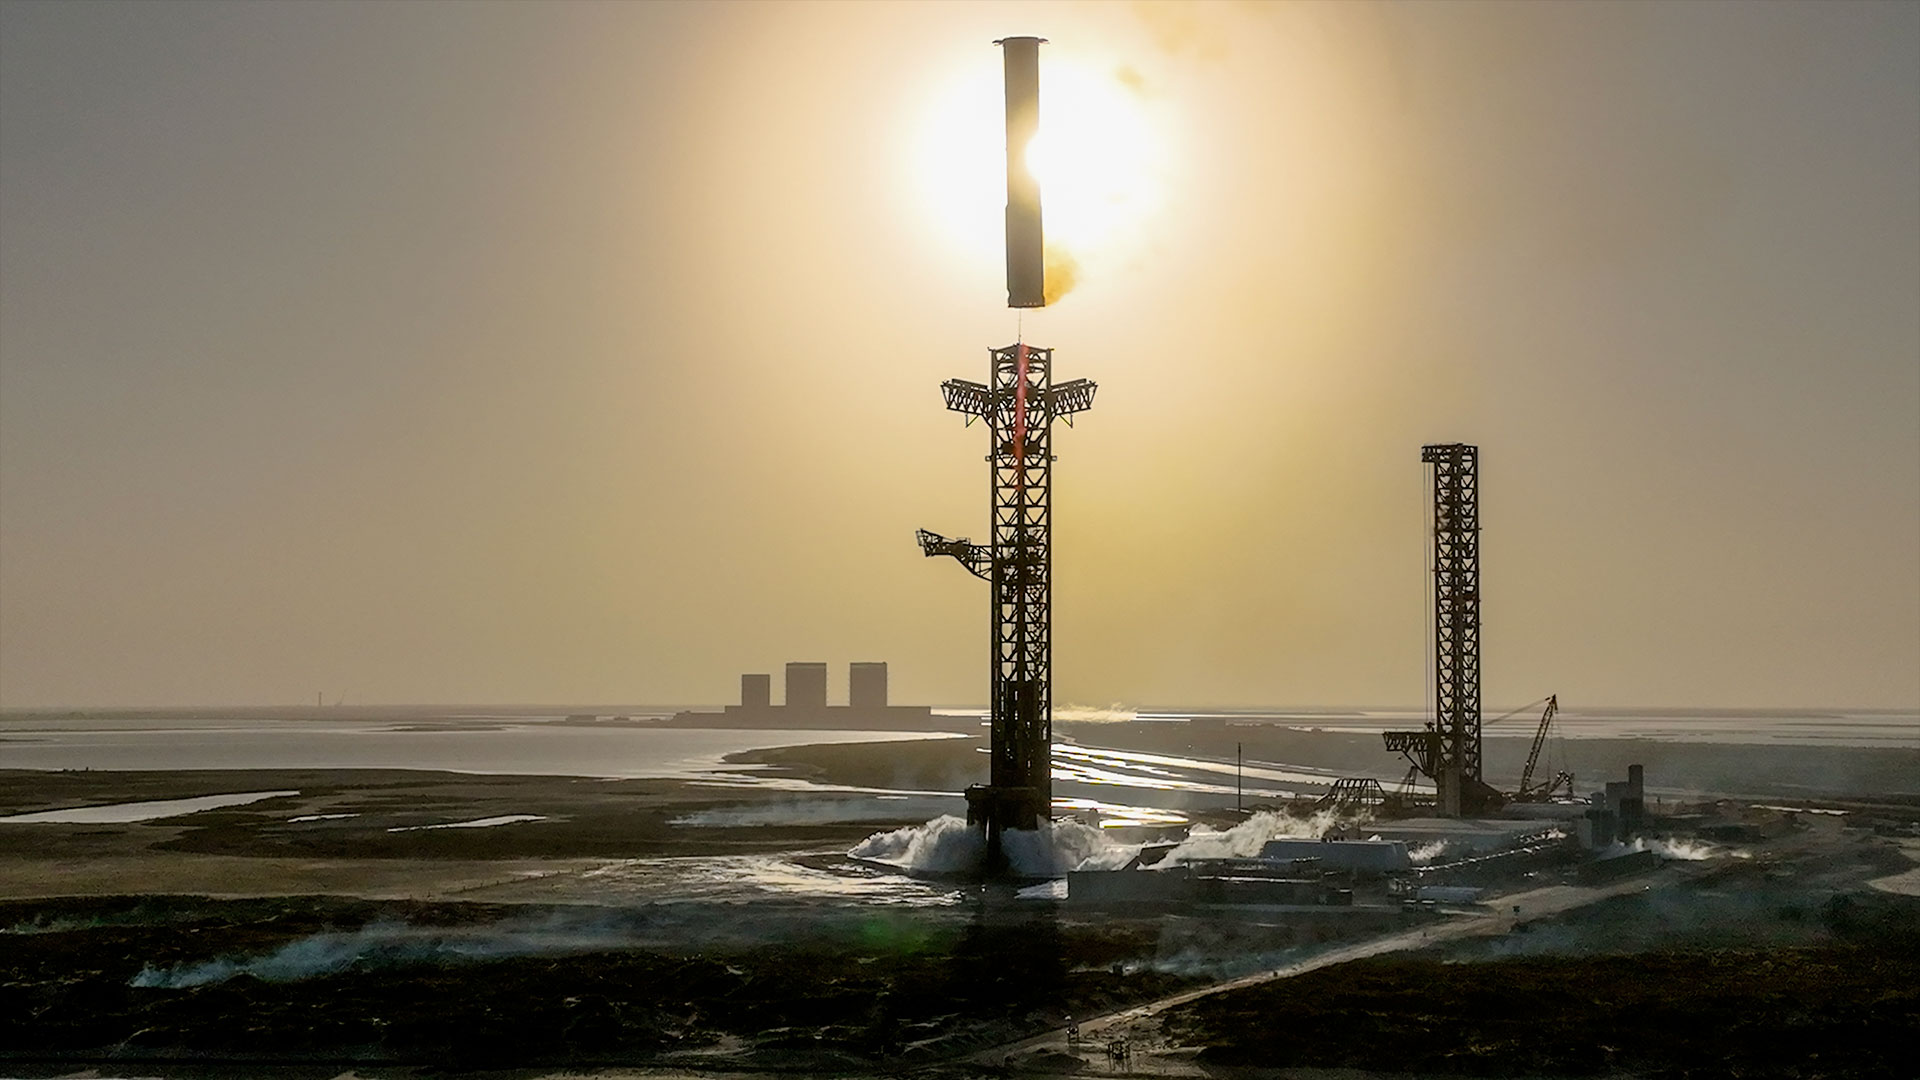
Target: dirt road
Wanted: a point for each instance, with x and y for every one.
(1135, 1025)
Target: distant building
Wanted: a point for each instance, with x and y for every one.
(806, 685)
(756, 691)
(867, 685)
(806, 703)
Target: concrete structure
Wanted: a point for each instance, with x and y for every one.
(1614, 813)
(756, 691)
(1445, 894)
(807, 685)
(1464, 836)
(1359, 856)
(867, 685)
(1620, 866)
(1185, 885)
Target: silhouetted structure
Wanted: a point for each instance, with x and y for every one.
(1448, 749)
(806, 704)
(867, 685)
(807, 685)
(1019, 408)
(756, 691)
(1019, 404)
(1026, 245)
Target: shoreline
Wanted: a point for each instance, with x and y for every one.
(360, 832)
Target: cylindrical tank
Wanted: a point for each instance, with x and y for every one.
(1026, 267)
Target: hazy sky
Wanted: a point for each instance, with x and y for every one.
(548, 352)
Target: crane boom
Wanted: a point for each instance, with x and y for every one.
(1539, 740)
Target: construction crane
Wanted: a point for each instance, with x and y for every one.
(1527, 792)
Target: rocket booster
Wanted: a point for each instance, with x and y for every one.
(1026, 269)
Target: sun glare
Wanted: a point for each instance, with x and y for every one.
(1095, 157)
(1099, 157)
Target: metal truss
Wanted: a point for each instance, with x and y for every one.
(1448, 750)
(977, 558)
(1019, 407)
(1456, 608)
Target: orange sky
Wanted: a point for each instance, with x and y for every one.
(574, 353)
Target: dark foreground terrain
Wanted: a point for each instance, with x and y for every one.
(1824, 1011)
(329, 980)
(1826, 990)
(623, 935)
(187, 987)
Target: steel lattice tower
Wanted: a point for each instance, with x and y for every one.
(1456, 618)
(1448, 750)
(1019, 408)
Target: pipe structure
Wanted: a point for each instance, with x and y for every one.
(1026, 266)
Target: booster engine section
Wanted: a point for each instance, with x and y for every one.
(1026, 266)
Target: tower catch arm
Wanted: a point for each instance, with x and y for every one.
(977, 558)
(967, 397)
(1071, 397)
(976, 400)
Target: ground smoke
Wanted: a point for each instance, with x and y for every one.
(393, 944)
(1683, 850)
(1244, 841)
(947, 845)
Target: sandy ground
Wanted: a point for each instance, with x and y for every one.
(1907, 883)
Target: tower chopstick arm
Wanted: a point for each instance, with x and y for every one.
(967, 397)
(977, 558)
(1071, 397)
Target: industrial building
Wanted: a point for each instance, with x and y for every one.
(805, 704)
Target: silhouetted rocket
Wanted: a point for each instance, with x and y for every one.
(1026, 267)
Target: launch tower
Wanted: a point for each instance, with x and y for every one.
(1448, 749)
(1019, 408)
(1019, 403)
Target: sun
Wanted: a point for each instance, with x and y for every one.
(1097, 158)
(1100, 157)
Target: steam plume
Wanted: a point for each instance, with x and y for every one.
(1244, 841)
(948, 845)
(1062, 273)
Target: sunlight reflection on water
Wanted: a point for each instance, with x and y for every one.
(829, 878)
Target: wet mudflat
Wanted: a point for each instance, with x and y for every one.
(385, 833)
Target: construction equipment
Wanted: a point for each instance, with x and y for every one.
(1527, 792)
